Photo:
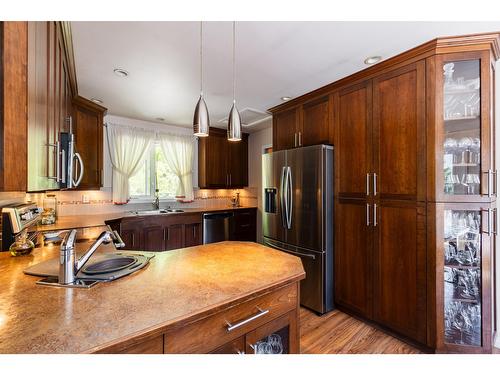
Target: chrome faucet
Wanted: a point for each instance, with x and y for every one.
(156, 202)
(69, 266)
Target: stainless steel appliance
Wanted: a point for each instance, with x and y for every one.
(298, 216)
(17, 218)
(69, 164)
(216, 226)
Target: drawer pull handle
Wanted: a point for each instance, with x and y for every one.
(231, 327)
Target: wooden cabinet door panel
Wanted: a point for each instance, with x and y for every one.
(399, 133)
(353, 149)
(154, 238)
(285, 125)
(400, 268)
(353, 256)
(217, 166)
(192, 235)
(37, 106)
(316, 122)
(238, 163)
(174, 236)
(88, 138)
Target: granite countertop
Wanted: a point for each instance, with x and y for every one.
(87, 221)
(176, 285)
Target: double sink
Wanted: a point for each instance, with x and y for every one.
(156, 212)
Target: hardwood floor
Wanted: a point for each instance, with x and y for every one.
(339, 333)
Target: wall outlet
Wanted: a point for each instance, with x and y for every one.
(204, 195)
(85, 198)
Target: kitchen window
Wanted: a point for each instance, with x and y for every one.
(142, 185)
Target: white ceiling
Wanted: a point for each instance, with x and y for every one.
(273, 59)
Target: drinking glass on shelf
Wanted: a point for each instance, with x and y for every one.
(276, 345)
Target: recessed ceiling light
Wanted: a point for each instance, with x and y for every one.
(95, 100)
(372, 60)
(159, 119)
(285, 98)
(120, 72)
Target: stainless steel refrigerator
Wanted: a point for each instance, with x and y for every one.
(298, 216)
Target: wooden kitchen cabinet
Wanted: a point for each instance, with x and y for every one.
(13, 106)
(414, 150)
(275, 312)
(50, 90)
(399, 272)
(305, 125)
(88, 129)
(244, 225)
(353, 128)
(159, 232)
(316, 123)
(222, 164)
(285, 129)
(399, 141)
(192, 234)
(354, 256)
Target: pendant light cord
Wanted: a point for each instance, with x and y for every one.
(234, 62)
(201, 58)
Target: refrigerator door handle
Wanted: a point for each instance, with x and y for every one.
(289, 206)
(282, 197)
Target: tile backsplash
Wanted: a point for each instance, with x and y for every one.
(100, 202)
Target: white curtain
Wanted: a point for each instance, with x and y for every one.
(127, 148)
(179, 154)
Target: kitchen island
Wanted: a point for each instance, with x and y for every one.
(223, 297)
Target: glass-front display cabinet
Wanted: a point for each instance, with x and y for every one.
(465, 136)
(462, 202)
(465, 237)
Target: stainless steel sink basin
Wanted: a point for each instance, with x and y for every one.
(157, 212)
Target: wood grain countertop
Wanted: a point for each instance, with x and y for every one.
(177, 286)
(87, 221)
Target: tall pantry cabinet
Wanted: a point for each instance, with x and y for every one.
(415, 190)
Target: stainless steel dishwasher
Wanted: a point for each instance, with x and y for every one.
(217, 226)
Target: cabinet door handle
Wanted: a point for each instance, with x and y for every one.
(231, 327)
(300, 138)
(230, 179)
(294, 139)
(374, 184)
(368, 214)
(367, 184)
(375, 223)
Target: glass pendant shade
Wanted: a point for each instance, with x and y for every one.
(201, 121)
(234, 125)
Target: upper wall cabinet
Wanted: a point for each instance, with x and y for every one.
(13, 105)
(38, 84)
(316, 122)
(222, 164)
(88, 130)
(304, 125)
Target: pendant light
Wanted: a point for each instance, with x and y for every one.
(201, 120)
(234, 120)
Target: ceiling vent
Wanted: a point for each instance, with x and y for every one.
(250, 116)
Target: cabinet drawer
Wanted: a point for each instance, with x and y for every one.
(212, 332)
